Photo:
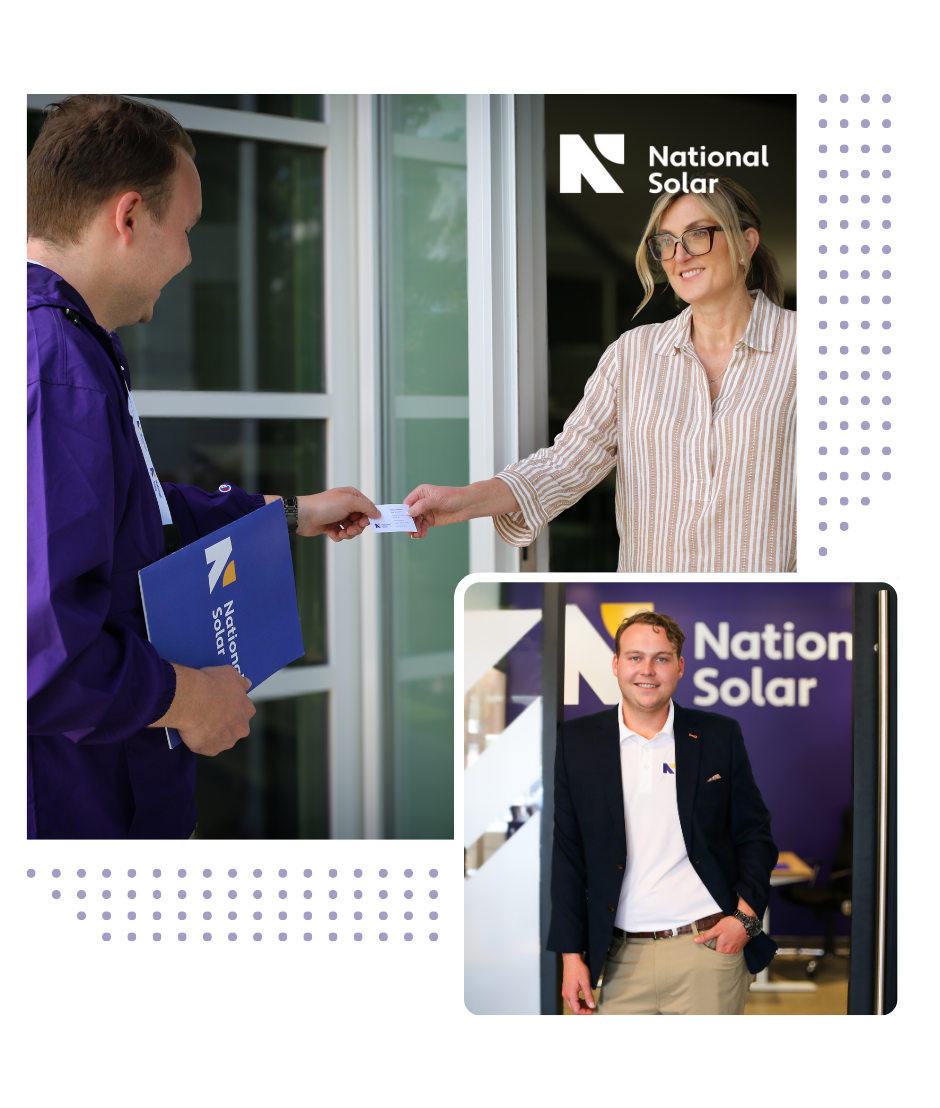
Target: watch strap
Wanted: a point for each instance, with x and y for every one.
(290, 512)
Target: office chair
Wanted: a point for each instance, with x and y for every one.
(828, 899)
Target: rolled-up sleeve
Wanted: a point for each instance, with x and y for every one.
(551, 480)
(90, 677)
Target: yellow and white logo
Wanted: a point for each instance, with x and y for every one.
(217, 556)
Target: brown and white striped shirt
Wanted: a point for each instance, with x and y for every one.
(701, 486)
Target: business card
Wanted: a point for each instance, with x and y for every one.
(394, 518)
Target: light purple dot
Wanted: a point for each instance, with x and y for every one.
(207, 873)
(282, 915)
(181, 915)
(156, 894)
(822, 476)
(433, 894)
(886, 199)
(843, 123)
(182, 894)
(866, 123)
(383, 915)
(106, 936)
(131, 937)
(30, 873)
(383, 894)
(257, 936)
(823, 400)
(282, 937)
(332, 873)
(332, 936)
(357, 915)
(232, 894)
(823, 123)
(408, 936)
(843, 98)
(432, 915)
(282, 894)
(823, 98)
(843, 527)
(408, 894)
(232, 936)
(233, 915)
(257, 894)
(309, 915)
(886, 149)
(886, 426)
(433, 936)
(256, 915)
(233, 873)
(132, 915)
(80, 894)
(307, 894)
(822, 349)
(843, 199)
(408, 873)
(308, 873)
(823, 551)
(358, 894)
(131, 895)
(181, 873)
(843, 149)
(886, 123)
(81, 915)
(865, 98)
(865, 198)
(332, 894)
(823, 325)
(865, 501)
(886, 400)
(81, 873)
(865, 476)
(307, 936)
(157, 936)
(257, 873)
(55, 894)
(106, 894)
(823, 526)
(56, 873)
(383, 873)
(886, 98)
(358, 936)
(886, 476)
(156, 873)
(182, 936)
(843, 274)
(357, 873)
(843, 350)
(409, 915)
(823, 173)
(823, 275)
(206, 894)
(332, 915)
(843, 250)
(382, 936)
(865, 274)
(866, 400)
(105, 915)
(843, 476)
(132, 873)
(282, 873)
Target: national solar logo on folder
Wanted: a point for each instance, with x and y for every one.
(197, 615)
(217, 555)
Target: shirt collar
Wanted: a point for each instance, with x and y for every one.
(666, 732)
(676, 335)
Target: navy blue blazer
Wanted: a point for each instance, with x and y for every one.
(725, 825)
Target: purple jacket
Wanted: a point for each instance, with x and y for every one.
(94, 681)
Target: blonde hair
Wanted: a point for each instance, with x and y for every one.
(734, 210)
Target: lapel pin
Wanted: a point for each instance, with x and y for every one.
(717, 777)
(691, 736)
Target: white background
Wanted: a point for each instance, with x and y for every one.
(245, 1023)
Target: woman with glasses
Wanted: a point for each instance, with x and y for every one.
(698, 414)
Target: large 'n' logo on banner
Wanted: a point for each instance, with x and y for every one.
(216, 556)
(577, 160)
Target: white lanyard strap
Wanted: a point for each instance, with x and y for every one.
(165, 516)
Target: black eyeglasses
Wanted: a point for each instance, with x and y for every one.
(697, 241)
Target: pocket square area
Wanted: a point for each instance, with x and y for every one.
(717, 777)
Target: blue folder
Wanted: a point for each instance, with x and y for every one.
(227, 598)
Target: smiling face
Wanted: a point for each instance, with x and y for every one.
(161, 248)
(647, 668)
(706, 277)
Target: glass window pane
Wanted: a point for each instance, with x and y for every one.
(296, 105)
(247, 314)
(272, 784)
(282, 456)
(424, 313)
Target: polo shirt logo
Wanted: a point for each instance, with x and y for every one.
(669, 767)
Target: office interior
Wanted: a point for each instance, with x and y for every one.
(796, 665)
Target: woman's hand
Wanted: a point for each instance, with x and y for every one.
(438, 505)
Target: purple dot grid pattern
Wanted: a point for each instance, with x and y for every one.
(850, 405)
(386, 904)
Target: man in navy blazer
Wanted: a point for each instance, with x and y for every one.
(662, 851)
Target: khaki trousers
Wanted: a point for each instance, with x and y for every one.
(672, 977)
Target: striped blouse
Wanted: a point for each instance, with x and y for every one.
(701, 485)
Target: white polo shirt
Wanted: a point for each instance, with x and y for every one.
(660, 886)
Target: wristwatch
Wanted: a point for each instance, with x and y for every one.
(752, 925)
(290, 510)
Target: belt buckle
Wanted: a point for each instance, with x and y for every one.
(666, 933)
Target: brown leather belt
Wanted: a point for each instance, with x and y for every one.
(699, 925)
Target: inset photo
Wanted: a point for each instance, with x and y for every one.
(679, 798)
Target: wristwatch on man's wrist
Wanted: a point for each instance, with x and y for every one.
(752, 925)
(290, 511)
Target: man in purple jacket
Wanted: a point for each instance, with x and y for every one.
(113, 193)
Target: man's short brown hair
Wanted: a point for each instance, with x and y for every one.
(653, 619)
(91, 148)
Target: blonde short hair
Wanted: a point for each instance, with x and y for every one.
(734, 210)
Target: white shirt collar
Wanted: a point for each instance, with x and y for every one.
(30, 261)
(666, 732)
